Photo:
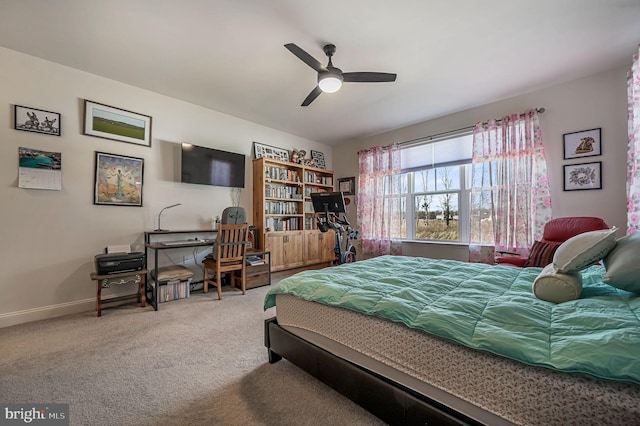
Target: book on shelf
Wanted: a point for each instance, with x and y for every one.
(254, 260)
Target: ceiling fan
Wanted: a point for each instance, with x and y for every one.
(330, 78)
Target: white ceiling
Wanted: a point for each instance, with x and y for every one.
(228, 55)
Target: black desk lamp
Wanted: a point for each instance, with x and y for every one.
(160, 214)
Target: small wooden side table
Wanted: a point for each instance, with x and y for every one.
(254, 275)
(133, 277)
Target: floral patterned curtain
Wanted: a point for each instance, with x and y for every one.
(633, 151)
(510, 198)
(379, 202)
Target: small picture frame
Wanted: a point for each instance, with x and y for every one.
(586, 143)
(582, 176)
(266, 151)
(318, 159)
(35, 120)
(104, 121)
(118, 180)
(347, 185)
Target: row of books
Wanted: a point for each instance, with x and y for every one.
(254, 260)
(277, 224)
(308, 191)
(281, 191)
(313, 177)
(281, 207)
(309, 223)
(174, 290)
(281, 173)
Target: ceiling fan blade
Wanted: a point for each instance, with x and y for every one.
(305, 57)
(312, 96)
(368, 77)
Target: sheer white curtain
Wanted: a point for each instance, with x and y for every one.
(633, 151)
(380, 206)
(510, 198)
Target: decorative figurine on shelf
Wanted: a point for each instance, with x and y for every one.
(297, 156)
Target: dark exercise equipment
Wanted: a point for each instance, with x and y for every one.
(331, 205)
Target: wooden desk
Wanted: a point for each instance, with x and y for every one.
(156, 246)
(105, 281)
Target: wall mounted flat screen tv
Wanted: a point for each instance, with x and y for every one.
(208, 166)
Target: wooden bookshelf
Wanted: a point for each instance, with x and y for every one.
(283, 214)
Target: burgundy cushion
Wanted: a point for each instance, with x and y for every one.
(511, 260)
(563, 228)
(541, 254)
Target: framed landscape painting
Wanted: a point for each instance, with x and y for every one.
(108, 122)
(118, 180)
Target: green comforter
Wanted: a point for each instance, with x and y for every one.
(490, 308)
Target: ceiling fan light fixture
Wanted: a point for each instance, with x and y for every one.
(330, 83)
(330, 78)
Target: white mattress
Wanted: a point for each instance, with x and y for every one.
(459, 376)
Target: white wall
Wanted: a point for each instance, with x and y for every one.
(596, 101)
(49, 238)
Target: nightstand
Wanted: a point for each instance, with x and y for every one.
(257, 274)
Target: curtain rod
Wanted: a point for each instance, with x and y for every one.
(450, 132)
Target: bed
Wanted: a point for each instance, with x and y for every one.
(423, 341)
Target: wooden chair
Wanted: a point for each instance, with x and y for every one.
(227, 256)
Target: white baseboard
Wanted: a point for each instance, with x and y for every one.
(47, 312)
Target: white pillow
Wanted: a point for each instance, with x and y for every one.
(584, 249)
(623, 264)
(557, 287)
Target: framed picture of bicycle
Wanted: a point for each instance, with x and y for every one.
(583, 176)
(118, 180)
(36, 120)
(108, 122)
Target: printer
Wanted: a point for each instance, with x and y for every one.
(116, 263)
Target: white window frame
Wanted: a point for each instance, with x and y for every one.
(463, 193)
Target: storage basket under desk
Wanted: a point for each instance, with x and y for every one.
(174, 282)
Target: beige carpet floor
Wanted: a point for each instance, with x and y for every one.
(196, 361)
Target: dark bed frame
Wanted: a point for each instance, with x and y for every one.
(386, 399)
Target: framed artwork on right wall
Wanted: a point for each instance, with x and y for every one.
(583, 176)
(586, 143)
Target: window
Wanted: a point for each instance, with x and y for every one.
(435, 186)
